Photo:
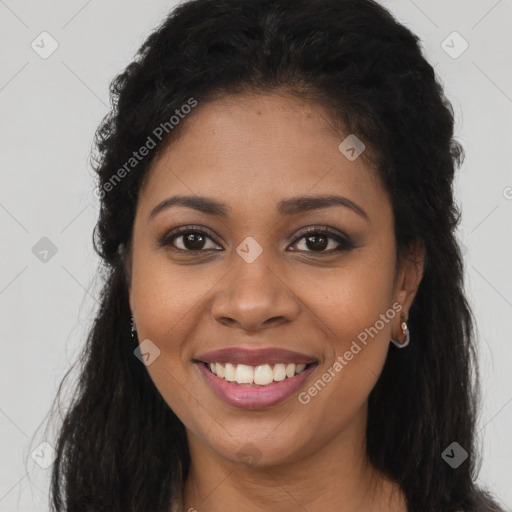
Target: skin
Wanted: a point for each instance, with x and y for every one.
(250, 152)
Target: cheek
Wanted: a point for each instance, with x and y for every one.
(351, 299)
(353, 307)
(167, 298)
(166, 304)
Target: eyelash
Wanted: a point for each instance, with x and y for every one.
(345, 243)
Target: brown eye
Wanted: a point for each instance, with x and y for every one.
(193, 241)
(318, 240)
(188, 239)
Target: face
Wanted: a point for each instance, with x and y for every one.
(301, 296)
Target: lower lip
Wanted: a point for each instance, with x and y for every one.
(253, 397)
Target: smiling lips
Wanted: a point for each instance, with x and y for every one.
(255, 378)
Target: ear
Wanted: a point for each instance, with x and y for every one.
(410, 274)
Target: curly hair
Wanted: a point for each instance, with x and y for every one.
(120, 447)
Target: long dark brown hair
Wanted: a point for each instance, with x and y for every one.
(120, 448)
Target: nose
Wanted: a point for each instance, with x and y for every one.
(254, 297)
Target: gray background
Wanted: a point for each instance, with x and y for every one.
(49, 109)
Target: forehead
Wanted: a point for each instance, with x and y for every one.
(255, 150)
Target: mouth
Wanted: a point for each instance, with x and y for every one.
(255, 379)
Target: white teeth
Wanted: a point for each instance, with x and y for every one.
(229, 372)
(261, 375)
(279, 372)
(290, 370)
(219, 370)
(299, 368)
(244, 374)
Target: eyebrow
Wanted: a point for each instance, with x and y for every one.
(285, 207)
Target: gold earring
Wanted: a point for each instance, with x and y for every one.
(405, 334)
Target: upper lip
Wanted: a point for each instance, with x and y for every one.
(254, 357)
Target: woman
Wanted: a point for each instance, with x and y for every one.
(283, 324)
